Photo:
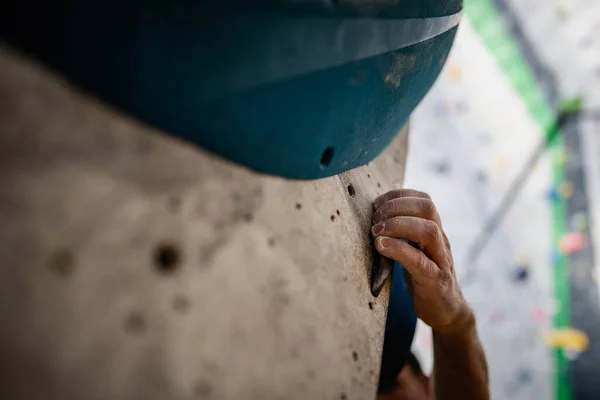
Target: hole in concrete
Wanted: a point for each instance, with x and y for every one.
(351, 191)
(337, 212)
(181, 304)
(355, 356)
(378, 185)
(174, 204)
(369, 176)
(371, 305)
(62, 262)
(203, 388)
(343, 396)
(135, 323)
(298, 206)
(332, 218)
(167, 258)
(326, 157)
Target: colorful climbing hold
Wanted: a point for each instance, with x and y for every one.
(521, 273)
(573, 242)
(567, 339)
(540, 316)
(571, 105)
(500, 163)
(455, 73)
(566, 190)
(497, 317)
(553, 195)
(481, 176)
(561, 14)
(524, 377)
(442, 167)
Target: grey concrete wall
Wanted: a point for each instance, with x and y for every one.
(136, 266)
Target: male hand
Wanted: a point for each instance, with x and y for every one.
(408, 216)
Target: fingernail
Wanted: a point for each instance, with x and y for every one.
(378, 202)
(384, 243)
(377, 229)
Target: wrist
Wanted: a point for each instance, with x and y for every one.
(463, 325)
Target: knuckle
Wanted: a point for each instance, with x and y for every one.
(428, 209)
(423, 264)
(424, 195)
(430, 230)
(442, 285)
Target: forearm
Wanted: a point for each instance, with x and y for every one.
(460, 368)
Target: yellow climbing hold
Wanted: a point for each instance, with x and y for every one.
(500, 163)
(567, 339)
(455, 73)
(566, 190)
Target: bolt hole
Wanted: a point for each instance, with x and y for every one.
(167, 258)
(174, 204)
(326, 157)
(135, 323)
(351, 191)
(181, 304)
(62, 262)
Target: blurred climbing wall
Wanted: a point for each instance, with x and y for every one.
(512, 65)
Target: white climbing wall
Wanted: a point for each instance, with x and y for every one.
(482, 138)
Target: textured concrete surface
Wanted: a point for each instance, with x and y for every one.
(135, 266)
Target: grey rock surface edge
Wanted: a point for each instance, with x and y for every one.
(136, 266)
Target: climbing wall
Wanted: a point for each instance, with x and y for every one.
(539, 271)
(564, 41)
(135, 266)
(468, 145)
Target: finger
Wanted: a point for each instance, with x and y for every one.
(413, 260)
(408, 207)
(425, 233)
(393, 194)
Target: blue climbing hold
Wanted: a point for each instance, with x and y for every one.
(297, 89)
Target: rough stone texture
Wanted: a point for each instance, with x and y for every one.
(136, 266)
